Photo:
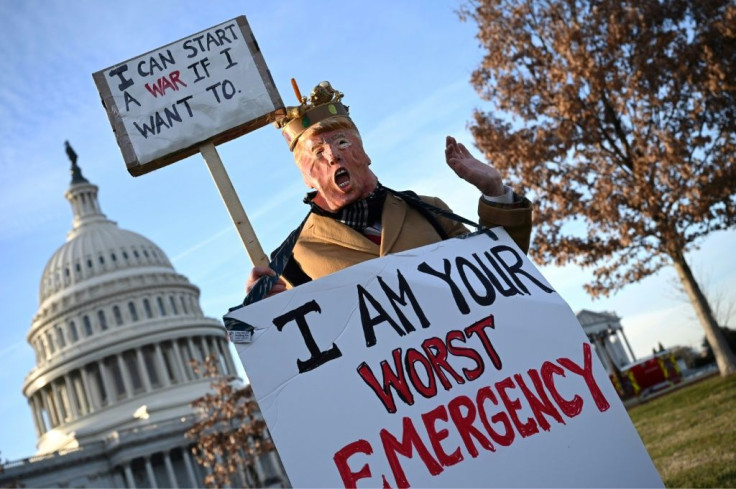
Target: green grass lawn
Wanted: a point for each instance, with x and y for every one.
(691, 433)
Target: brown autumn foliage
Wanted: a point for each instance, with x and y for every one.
(229, 432)
(619, 116)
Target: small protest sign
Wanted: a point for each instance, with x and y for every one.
(211, 86)
(451, 365)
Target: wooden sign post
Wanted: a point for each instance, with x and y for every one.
(232, 202)
(188, 96)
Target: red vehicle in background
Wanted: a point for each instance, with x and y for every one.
(647, 375)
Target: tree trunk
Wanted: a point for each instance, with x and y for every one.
(725, 358)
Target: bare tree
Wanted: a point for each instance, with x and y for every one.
(620, 116)
(229, 432)
(721, 299)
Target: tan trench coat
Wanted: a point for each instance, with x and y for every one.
(326, 246)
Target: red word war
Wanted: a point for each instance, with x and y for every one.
(484, 422)
(166, 82)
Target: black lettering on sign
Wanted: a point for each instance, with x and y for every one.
(227, 89)
(157, 121)
(124, 82)
(369, 322)
(462, 304)
(204, 63)
(404, 293)
(230, 62)
(299, 316)
(205, 42)
(128, 99)
(515, 269)
(148, 67)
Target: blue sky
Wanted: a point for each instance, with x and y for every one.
(404, 68)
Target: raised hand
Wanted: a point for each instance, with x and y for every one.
(485, 177)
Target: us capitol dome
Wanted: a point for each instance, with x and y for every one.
(115, 335)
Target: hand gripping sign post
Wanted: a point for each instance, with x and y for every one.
(451, 365)
(187, 96)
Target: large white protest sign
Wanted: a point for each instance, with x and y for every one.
(451, 365)
(211, 86)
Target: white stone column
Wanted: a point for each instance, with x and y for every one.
(81, 394)
(178, 362)
(129, 479)
(170, 471)
(207, 346)
(190, 469)
(94, 402)
(195, 355)
(195, 351)
(49, 408)
(628, 346)
(151, 475)
(143, 370)
(603, 354)
(258, 466)
(60, 409)
(275, 462)
(163, 375)
(127, 382)
(72, 395)
(34, 411)
(106, 383)
(228, 357)
(37, 417)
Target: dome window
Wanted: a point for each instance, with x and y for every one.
(133, 312)
(145, 253)
(89, 263)
(102, 260)
(135, 254)
(113, 257)
(87, 326)
(174, 310)
(184, 305)
(118, 317)
(102, 320)
(73, 334)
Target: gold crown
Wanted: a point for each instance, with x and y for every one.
(323, 103)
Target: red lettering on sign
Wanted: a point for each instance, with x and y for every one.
(409, 441)
(464, 424)
(571, 408)
(586, 371)
(160, 86)
(497, 408)
(349, 478)
(436, 436)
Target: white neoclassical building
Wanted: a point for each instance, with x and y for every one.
(114, 336)
(605, 332)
